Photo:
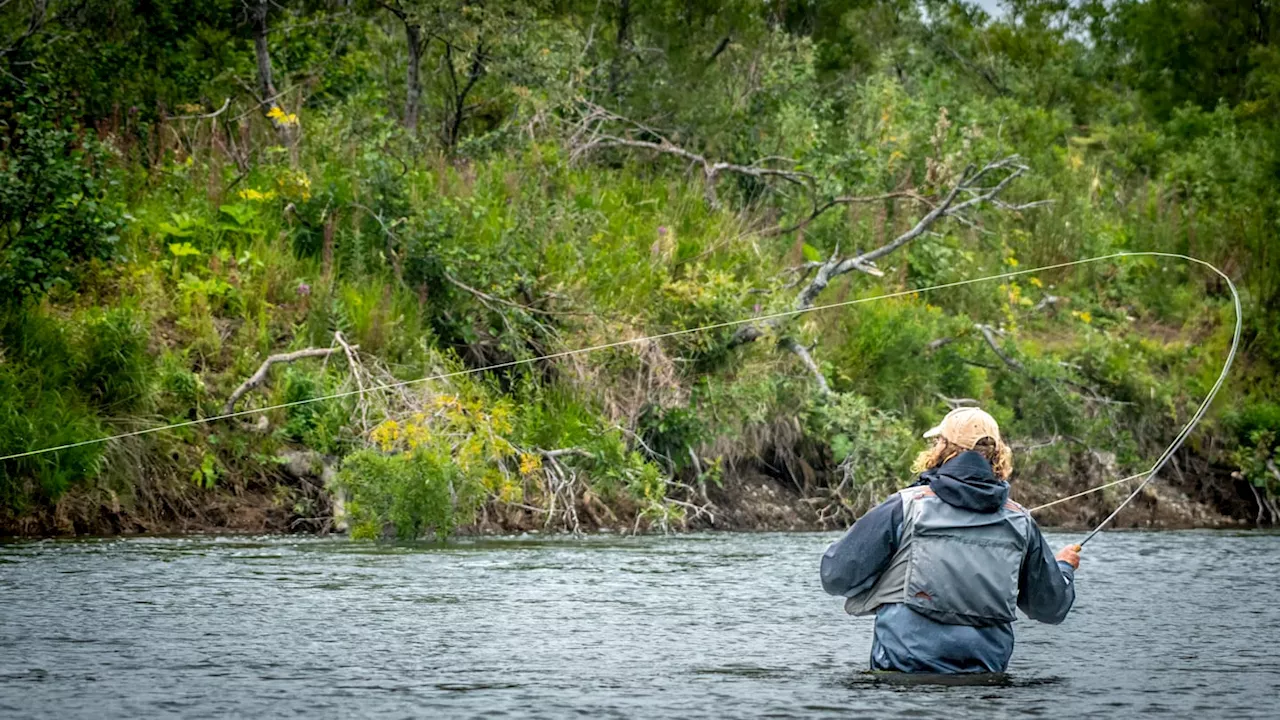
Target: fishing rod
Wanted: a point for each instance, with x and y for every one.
(1150, 474)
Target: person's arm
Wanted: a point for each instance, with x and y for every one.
(1046, 586)
(854, 562)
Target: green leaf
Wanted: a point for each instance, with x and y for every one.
(811, 253)
(841, 447)
(243, 213)
(182, 249)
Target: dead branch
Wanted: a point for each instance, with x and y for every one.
(484, 296)
(818, 210)
(487, 300)
(1049, 301)
(562, 452)
(802, 352)
(260, 376)
(698, 510)
(988, 334)
(954, 403)
(970, 182)
(591, 134)
(355, 365)
(225, 104)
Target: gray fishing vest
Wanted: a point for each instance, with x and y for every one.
(953, 565)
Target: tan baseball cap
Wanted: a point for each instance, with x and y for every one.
(965, 426)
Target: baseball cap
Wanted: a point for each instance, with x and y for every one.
(965, 426)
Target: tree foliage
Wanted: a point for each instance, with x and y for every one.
(188, 187)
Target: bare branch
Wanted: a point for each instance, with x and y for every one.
(989, 335)
(818, 210)
(353, 364)
(508, 303)
(802, 352)
(935, 345)
(226, 104)
(590, 135)
(260, 376)
(1049, 301)
(562, 452)
(864, 262)
(954, 403)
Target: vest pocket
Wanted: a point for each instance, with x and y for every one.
(963, 580)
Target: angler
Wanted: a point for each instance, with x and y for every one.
(944, 563)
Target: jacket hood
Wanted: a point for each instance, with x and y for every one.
(966, 481)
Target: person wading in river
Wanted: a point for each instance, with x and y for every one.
(942, 563)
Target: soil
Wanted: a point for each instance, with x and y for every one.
(294, 500)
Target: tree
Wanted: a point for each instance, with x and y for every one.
(55, 211)
(410, 16)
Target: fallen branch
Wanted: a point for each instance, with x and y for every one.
(562, 452)
(947, 207)
(1050, 302)
(354, 365)
(260, 376)
(802, 352)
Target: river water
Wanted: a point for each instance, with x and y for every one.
(721, 625)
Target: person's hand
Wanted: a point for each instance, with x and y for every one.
(1070, 555)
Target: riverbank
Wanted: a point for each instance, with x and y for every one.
(500, 300)
(297, 501)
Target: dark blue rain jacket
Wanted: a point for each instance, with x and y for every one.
(910, 642)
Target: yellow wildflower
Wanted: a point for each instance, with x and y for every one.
(1036, 281)
(386, 435)
(530, 463)
(295, 183)
(256, 195)
(281, 117)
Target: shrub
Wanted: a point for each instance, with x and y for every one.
(56, 208)
(413, 493)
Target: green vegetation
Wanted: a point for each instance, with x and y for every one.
(417, 188)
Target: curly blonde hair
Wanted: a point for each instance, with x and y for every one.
(998, 454)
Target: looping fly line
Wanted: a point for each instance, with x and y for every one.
(1149, 474)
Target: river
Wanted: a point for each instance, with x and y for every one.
(718, 625)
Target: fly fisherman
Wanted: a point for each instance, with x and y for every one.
(942, 563)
